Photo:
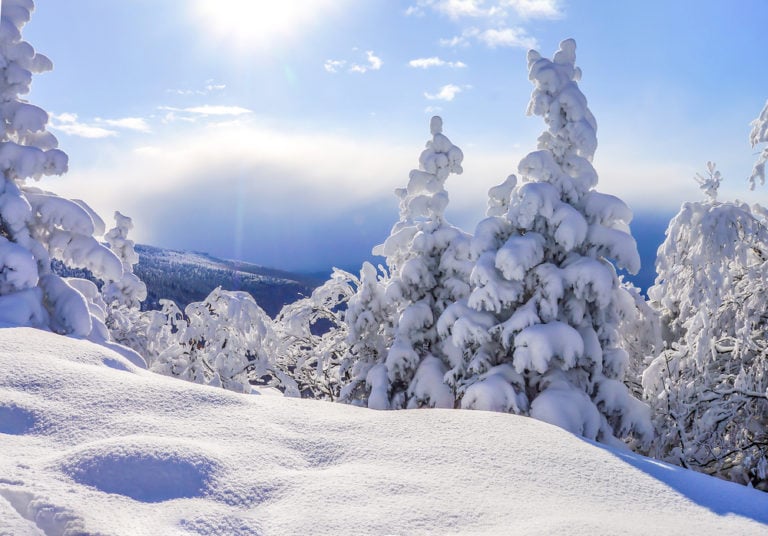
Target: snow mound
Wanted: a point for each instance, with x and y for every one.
(143, 469)
(87, 447)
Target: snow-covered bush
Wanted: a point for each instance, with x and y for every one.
(709, 388)
(397, 358)
(313, 337)
(538, 334)
(38, 226)
(225, 340)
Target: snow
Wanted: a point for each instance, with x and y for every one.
(569, 408)
(519, 254)
(537, 345)
(91, 444)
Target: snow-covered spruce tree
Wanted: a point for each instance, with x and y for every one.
(403, 364)
(539, 331)
(123, 297)
(38, 226)
(709, 388)
(226, 340)
(369, 323)
(312, 337)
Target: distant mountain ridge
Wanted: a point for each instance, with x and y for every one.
(188, 276)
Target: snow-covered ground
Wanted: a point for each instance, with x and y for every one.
(90, 443)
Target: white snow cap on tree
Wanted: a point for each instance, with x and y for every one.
(37, 226)
(538, 334)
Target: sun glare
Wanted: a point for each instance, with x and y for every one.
(254, 25)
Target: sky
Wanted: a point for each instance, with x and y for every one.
(276, 132)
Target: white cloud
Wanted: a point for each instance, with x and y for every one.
(495, 23)
(461, 40)
(455, 41)
(536, 9)
(207, 109)
(414, 11)
(210, 87)
(68, 123)
(498, 10)
(372, 63)
(446, 93)
(334, 66)
(457, 9)
(179, 166)
(130, 123)
(508, 37)
(503, 37)
(426, 63)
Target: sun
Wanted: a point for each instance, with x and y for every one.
(255, 25)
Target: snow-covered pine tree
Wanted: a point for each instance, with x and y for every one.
(38, 226)
(539, 331)
(368, 322)
(427, 259)
(130, 290)
(709, 388)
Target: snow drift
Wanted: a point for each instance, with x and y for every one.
(91, 444)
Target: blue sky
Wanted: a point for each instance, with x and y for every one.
(275, 132)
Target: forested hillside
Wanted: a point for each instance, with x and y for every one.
(186, 277)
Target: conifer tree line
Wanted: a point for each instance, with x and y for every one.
(526, 315)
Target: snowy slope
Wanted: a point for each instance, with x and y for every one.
(90, 443)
